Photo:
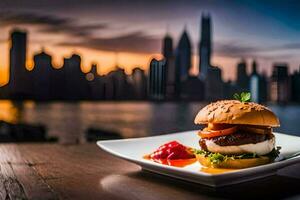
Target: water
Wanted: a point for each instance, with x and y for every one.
(69, 121)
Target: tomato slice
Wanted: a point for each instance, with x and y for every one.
(205, 133)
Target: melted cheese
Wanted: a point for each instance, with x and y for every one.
(260, 148)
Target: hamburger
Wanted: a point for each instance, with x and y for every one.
(237, 134)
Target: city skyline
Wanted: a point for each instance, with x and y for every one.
(264, 36)
(168, 78)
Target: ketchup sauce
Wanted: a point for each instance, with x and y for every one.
(173, 154)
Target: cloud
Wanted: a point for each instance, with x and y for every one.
(137, 42)
(75, 30)
(234, 49)
(49, 23)
(290, 46)
(131, 42)
(238, 50)
(13, 18)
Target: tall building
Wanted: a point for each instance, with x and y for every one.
(42, 75)
(242, 81)
(117, 86)
(19, 80)
(139, 82)
(58, 84)
(169, 56)
(205, 48)
(264, 87)
(183, 62)
(96, 85)
(296, 86)
(279, 84)
(214, 85)
(254, 83)
(167, 46)
(157, 79)
(257, 85)
(193, 89)
(76, 84)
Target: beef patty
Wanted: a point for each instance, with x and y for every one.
(235, 139)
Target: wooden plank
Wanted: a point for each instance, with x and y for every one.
(18, 178)
(9, 153)
(11, 187)
(86, 172)
(74, 172)
(33, 185)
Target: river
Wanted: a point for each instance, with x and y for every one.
(69, 121)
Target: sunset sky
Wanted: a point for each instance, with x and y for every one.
(129, 33)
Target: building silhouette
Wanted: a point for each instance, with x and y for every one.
(96, 84)
(19, 82)
(58, 84)
(214, 85)
(205, 47)
(139, 83)
(42, 76)
(117, 86)
(264, 87)
(279, 84)
(257, 85)
(169, 56)
(157, 80)
(167, 47)
(167, 79)
(193, 89)
(295, 90)
(183, 62)
(75, 82)
(242, 81)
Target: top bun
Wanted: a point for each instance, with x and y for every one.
(236, 112)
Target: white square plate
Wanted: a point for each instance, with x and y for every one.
(133, 150)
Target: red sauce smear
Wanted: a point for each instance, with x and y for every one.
(173, 154)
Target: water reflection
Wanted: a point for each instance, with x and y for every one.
(70, 121)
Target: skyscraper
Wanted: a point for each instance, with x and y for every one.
(169, 56)
(183, 61)
(255, 83)
(279, 85)
(167, 46)
(205, 48)
(42, 75)
(296, 86)
(242, 77)
(76, 84)
(139, 81)
(19, 79)
(116, 85)
(157, 79)
(214, 84)
(96, 85)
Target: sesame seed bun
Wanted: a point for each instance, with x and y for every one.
(236, 112)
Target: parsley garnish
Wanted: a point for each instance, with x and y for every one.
(243, 97)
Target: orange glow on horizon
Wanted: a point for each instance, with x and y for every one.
(106, 61)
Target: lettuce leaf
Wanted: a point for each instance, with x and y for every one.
(216, 158)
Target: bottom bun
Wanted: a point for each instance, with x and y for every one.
(234, 164)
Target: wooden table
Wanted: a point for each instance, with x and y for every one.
(54, 171)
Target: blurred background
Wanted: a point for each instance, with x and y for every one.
(78, 71)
